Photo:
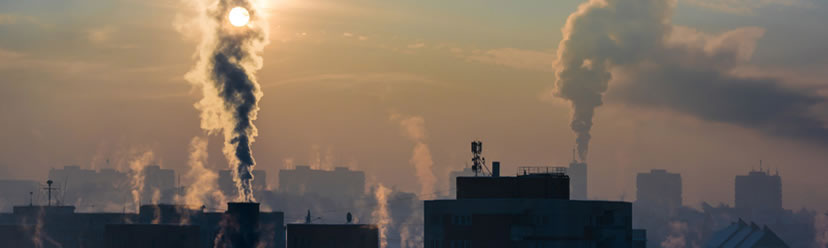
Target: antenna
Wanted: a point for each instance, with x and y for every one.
(30, 198)
(478, 162)
(760, 165)
(49, 188)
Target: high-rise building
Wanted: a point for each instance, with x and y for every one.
(338, 184)
(759, 190)
(532, 209)
(658, 190)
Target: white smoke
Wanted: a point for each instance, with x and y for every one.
(201, 182)
(413, 128)
(136, 174)
(381, 214)
(227, 59)
(678, 235)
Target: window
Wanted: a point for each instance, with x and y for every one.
(461, 220)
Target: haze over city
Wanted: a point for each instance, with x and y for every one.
(398, 88)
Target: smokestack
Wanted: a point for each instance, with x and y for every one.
(245, 217)
(496, 169)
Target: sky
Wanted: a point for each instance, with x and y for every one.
(83, 82)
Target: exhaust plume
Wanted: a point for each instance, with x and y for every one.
(202, 182)
(136, 168)
(413, 128)
(227, 58)
(380, 214)
(657, 64)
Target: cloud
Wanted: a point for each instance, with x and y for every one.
(100, 35)
(12, 19)
(531, 60)
(744, 7)
(654, 64)
(417, 45)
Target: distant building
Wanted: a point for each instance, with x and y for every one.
(743, 235)
(759, 190)
(658, 191)
(228, 186)
(327, 235)
(578, 180)
(159, 185)
(16, 192)
(339, 184)
(530, 210)
(466, 172)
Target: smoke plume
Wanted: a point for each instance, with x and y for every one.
(136, 173)
(227, 58)
(677, 237)
(821, 230)
(381, 215)
(413, 128)
(657, 64)
(201, 181)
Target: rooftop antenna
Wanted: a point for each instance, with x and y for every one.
(478, 162)
(31, 203)
(308, 218)
(49, 188)
(349, 218)
(760, 165)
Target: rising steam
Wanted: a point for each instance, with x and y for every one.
(381, 215)
(656, 64)
(202, 182)
(137, 176)
(414, 129)
(228, 57)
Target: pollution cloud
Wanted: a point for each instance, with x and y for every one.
(227, 59)
(413, 128)
(654, 63)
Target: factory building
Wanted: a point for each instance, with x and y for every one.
(659, 191)
(532, 209)
(759, 191)
(332, 235)
(176, 225)
(340, 184)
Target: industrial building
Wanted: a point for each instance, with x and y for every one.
(532, 209)
(339, 184)
(178, 226)
(658, 190)
(759, 191)
(332, 235)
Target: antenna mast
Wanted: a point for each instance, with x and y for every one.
(49, 189)
(478, 162)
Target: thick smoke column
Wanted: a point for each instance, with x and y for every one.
(381, 216)
(665, 66)
(203, 189)
(228, 56)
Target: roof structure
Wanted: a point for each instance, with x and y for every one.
(743, 235)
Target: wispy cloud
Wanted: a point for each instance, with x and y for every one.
(744, 7)
(522, 59)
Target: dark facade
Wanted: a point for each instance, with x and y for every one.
(326, 236)
(530, 186)
(759, 190)
(658, 190)
(60, 226)
(152, 236)
(530, 210)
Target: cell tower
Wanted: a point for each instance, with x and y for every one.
(478, 162)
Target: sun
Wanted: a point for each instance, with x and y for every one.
(239, 16)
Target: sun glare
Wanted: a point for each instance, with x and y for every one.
(239, 16)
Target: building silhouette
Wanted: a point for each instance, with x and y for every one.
(742, 235)
(658, 190)
(532, 209)
(578, 180)
(759, 190)
(339, 184)
(332, 235)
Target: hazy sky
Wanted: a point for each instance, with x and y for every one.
(83, 81)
